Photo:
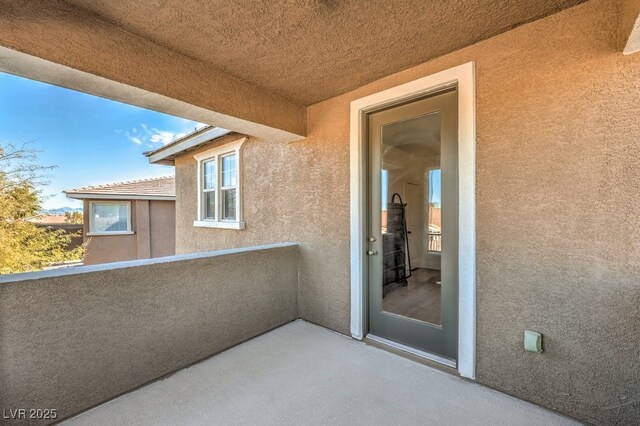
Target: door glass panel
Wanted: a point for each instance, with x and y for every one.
(410, 218)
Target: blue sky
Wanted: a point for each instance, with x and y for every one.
(91, 140)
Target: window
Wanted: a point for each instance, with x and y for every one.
(209, 189)
(109, 218)
(219, 195)
(435, 211)
(229, 187)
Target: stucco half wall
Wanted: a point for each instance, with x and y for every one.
(71, 339)
(557, 207)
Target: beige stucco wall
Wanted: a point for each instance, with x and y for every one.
(629, 27)
(153, 226)
(162, 228)
(293, 192)
(558, 128)
(70, 339)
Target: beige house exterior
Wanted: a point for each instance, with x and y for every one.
(538, 88)
(549, 100)
(147, 217)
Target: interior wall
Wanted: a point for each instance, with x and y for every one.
(557, 207)
(402, 170)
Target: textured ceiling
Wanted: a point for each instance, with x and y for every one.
(311, 50)
(418, 136)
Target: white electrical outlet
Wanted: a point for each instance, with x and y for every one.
(532, 341)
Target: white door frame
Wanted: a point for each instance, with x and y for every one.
(464, 76)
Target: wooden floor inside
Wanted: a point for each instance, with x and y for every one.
(420, 299)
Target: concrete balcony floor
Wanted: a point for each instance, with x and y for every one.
(304, 374)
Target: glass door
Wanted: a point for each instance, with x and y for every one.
(412, 224)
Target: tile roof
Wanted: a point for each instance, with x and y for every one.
(153, 187)
(49, 219)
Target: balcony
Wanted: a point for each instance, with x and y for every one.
(435, 242)
(73, 339)
(304, 374)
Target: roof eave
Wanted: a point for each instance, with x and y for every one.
(99, 196)
(168, 153)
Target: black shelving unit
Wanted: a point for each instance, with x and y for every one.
(395, 246)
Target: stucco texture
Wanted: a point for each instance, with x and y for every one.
(66, 34)
(312, 50)
(557, 231)
(153, 226)
(291, 192)
(162, 228)
(111, 248)
(71, 341)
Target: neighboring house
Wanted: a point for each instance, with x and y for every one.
(55, 222)
(128, 220)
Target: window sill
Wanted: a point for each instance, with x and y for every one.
(220, 225)
(105, 234)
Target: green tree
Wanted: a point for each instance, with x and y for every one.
(23, 245)
(73, 217)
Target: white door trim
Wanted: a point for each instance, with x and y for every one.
(464, 76)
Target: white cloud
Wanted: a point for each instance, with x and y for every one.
(152, 137)
(164, 137)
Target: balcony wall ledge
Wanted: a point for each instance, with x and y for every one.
(76, 270)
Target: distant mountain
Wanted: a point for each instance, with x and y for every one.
(60, 211)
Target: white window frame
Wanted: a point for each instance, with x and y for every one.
(91, 232)
(222, 188)
(216, 154)
(203, 190)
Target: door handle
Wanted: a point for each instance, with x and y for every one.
(372, 252)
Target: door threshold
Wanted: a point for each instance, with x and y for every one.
(413, 351)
